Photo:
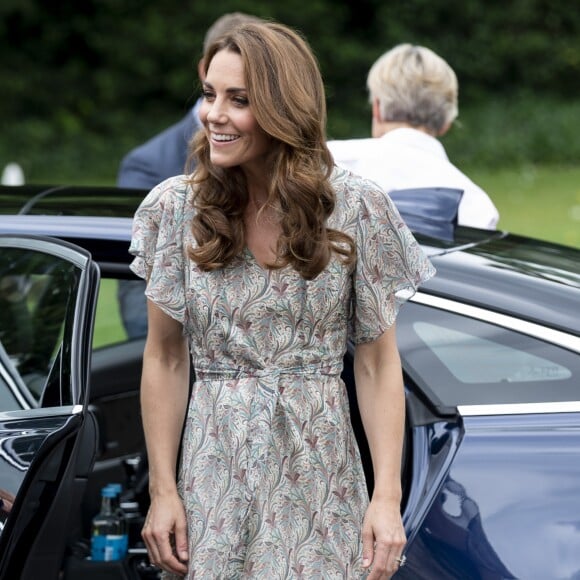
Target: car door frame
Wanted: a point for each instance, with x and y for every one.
(43, 516)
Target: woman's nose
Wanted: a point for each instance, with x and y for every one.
(216, 112)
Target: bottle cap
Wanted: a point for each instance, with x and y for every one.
(131, 506)
(116, 487)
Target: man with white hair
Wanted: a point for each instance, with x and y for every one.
(413, 94)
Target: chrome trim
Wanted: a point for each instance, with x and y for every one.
(65, 410)
(53, 247)
(557, 337)
(519, 409)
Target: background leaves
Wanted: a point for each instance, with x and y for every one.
(82, 82)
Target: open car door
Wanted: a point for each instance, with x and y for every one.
(48, 439)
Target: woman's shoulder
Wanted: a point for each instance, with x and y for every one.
(173, 190)
(353, 191)
(171, 196)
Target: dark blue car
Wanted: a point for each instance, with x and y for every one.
(491, 357)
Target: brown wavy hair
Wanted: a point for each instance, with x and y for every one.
(286, 94)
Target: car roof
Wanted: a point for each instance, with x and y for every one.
(533, 279)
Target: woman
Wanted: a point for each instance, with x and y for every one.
(261, 264)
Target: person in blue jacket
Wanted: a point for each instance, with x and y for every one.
(163, 156)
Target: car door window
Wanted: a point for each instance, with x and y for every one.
(457, 360)
(462, 354)
(37, 303)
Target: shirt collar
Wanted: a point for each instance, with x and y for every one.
(417, 139)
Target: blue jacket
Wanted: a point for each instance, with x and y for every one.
(162, 156)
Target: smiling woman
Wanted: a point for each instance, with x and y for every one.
(234, 135)
(278, 155)
(261, 264)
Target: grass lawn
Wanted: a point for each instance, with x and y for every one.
(538, 201)
(108, 326)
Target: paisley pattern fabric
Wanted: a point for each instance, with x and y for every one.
(271, 476)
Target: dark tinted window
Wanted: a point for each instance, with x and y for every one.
(37, 306)
(457, 360)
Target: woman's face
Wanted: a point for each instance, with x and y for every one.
(234, 136)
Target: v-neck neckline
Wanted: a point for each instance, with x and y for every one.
(250, 257)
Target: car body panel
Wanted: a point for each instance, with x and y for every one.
(537, 282)
(69, 200)
(509, 506)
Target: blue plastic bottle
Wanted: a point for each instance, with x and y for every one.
(108, 542)
(119, 511)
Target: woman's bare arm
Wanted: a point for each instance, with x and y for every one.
(381, 400)
(164, 392)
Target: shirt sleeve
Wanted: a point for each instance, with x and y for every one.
(476, 209)
(390, 265)
(157, 244)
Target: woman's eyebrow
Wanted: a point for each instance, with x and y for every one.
(228, 90)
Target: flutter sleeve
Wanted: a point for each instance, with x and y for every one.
(157, 244)
(390, 265)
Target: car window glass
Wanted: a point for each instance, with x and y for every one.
(457, 360)
(14, 394)
(7, 399)
(462, 354)
(37, 304)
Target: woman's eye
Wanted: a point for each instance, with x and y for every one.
(241, 101)
(207, 95)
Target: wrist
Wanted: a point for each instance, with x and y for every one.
(387, 494)
(162, 487)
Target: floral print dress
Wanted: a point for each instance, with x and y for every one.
(270, 474)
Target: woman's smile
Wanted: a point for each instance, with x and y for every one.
(223, 137)
(234, 135)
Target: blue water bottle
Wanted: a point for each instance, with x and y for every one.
(108, 540)
(118, 509)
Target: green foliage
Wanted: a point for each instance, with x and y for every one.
(108, 324)
(83, 82)
(516, 131)
(494, 47)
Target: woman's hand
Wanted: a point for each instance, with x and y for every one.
(6, 501)
(383, 538)
(165, 534)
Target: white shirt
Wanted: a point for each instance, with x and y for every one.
(407, 158)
